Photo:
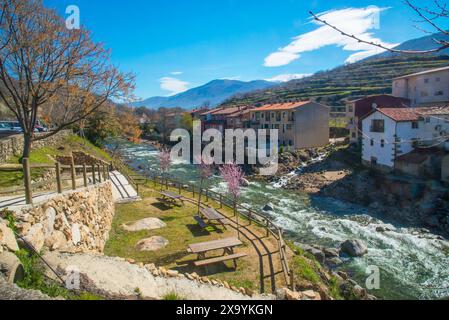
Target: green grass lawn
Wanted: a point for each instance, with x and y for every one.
(181, 231)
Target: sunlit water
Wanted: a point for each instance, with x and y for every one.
(412, 267)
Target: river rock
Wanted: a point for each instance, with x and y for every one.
(331, 252)
(152, 244)
(268, 207)
(144, 224)
(244, 182)
(318, 254)
(334, 262)
(354, 248)
(7, 238)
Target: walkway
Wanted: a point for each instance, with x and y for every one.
(122, 191)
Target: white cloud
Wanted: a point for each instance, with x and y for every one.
(176, 73)
(288, 77)
(173, 85)
(355, 21)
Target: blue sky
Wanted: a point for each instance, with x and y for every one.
(172, 45)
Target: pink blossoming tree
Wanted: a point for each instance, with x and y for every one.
(165, 161)
(233, 175)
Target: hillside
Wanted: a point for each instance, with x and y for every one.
(424, 43)
(373, 76)
(212, 93)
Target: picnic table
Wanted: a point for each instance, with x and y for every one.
(228, 245)
(171, 197)
(213, 215)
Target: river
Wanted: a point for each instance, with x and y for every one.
(412, 263)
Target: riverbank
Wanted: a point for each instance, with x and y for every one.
(336, 173)
(412, 265)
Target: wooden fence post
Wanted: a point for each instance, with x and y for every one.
(73, 172)
(292, 281)
(193, 191)
(93, 175)
(99, 173)
(58, 177)
(268, 227)
(85, 175)
(221, 201)
(27, 181)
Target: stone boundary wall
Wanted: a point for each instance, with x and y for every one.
(75, 221)
(13, 145)
(79, 158)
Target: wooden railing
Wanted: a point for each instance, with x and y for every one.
(250, 214)
(66, 176)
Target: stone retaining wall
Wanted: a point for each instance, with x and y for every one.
(79, 158)
(13, 145)
(75, 221)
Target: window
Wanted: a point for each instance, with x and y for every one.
(426, 80)
(372, 142)
(382, 143)
(262, 115)
(353, 135)
(378, 126)
(424, 94)
(351, 109)
(438, 79)
(289, 127)
(427, 119)
(439, 93)
(415, 125)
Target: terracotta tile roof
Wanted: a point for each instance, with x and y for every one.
(400, 114)
(411, 114)
(229, 111)
(282, 106)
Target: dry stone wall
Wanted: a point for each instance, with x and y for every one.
(75, 221)
(13, 145)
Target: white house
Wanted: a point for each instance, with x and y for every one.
(424, 88)
(390, 133)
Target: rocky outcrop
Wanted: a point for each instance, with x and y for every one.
(116, 278)
(152, 244)
(75, 221)
(144, 224)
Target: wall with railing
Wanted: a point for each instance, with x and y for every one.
(66, 177)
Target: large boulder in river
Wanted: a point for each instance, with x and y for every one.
(354, 248)
(268, 207)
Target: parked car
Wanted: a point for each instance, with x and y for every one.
(39, 128)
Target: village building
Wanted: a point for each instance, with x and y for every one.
(223, 118)
(425, 88)
(358, 109)
(300, 124)
(409, 140)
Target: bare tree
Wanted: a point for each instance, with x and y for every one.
(428, 15)
(47, 69)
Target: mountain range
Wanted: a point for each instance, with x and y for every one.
(210, 94)
(370, 76)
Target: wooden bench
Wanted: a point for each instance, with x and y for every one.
(210, 261)
(201, 222)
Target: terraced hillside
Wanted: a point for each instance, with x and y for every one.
(349, 81)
